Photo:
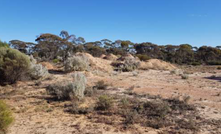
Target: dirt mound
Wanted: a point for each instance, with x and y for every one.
(98, 63)
(102, 56)
(110, 57)
(157, 65)
(127, 56)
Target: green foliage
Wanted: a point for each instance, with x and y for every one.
(105, 102)
(49, 46)
(196, 63)
(6, 117)
(3, 44)
(117, 51)
(143, 57)
(56, 61)
(96, 51)
(13, 65)
(214, 62)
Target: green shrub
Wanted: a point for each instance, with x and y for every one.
(196, 63)
(143, 57)
(96, 51)
(105, 102)
(6, 117)
(56, 61)
(13, 65)
(3, 44)
(214, 63)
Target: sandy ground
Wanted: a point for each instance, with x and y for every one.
(35, 116)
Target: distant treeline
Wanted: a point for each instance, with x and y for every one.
(49, 47)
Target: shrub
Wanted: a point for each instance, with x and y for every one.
(184, 76)
(176, 72)
(117, 51)
(101, 85)
(154, 109)
(90, 92)
(105, 102)
(68, 89)
(131, 116)
(127, 66)
(96, 51)
(77, 109)
(37, 71)
(143, 57)
(13, 65)
(76, 63)
(55, 60)
(125, 103)
(6, 117)
(4, 44)
(196, 63)
(214, 63)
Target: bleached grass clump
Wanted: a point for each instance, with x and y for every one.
(184, 76)
(76, 63)
(37, 71)
(177, 72)
(65, 90)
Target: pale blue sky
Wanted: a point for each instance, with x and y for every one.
(197, 22)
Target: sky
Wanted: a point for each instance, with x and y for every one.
(196, 22)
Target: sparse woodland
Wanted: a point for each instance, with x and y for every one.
(54, 47)
(63, 84)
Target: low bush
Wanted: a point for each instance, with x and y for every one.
(56, 61)
(184, 76)
(37, 71)
(127, 66)
(4, 44)
(76, 108)
(143, 57)
(76, 63)
(96, 51)
(65, 90)
(14, 65)
(101, 85)
(131, 116)
(153, 109)
(6, 117)
(105, 102)
(214, 63)
(196, 63)
(218, 68)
